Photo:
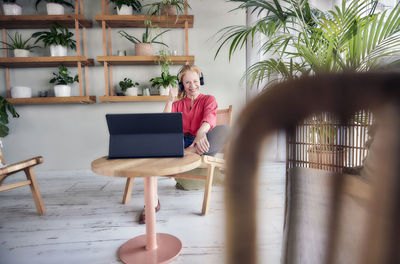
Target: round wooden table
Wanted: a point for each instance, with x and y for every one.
(152, 247)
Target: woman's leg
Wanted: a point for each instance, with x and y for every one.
(217, 138)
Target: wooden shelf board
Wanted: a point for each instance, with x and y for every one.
(54, 100)
(43, 21)
(30, 62)
(152, 98)
(120, 21)
(143, 60)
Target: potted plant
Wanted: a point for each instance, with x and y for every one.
(167, 7)
(11, 8)
(55, 7)
(144, 47)
(59, 38)
(166, 79)
(128, 87)
(20, 47)
(306, 41)
(61, 81)
(126, 7)
(6, 108)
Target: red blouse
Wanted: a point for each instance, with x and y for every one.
(204, 110)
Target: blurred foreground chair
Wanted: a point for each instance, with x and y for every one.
(329, 217)
(224, 117)
(27, 167)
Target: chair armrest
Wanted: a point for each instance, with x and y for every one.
(21, 165)
(217, 162)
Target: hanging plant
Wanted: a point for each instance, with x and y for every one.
(6, 108)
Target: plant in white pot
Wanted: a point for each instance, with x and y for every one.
(144, 47)
(20, 47)
(167, 7)
(61, 81)
(11, 8)
(165, 80)
(126, 7)
(59, 38)
(128, 87)
(55, 7)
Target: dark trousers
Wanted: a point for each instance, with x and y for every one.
(217, 138)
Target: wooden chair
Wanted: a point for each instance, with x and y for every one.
(27, 167)
(373, 198)
(224, 117)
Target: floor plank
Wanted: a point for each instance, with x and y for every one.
(86, 222)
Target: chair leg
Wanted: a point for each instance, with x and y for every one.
(128, 190)
(207, 189)
(41, 209)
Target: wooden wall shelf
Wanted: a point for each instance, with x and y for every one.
(152, 98)
(34, 62)
(43, 21)
(143, 60)
(108, 22)
(118, 21)
(53, 100)
(76, 21)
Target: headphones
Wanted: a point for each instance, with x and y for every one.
(181, 87)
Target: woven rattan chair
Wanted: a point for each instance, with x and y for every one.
(224, 117)
(360, 215)
(27, 167)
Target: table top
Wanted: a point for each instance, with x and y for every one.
(145, 167)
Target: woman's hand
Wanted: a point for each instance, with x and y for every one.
(173, 92)
(201, 143)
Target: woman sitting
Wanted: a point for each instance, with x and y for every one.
(199, 115)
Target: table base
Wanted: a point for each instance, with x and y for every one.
(134, 250)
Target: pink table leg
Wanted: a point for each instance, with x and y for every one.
(152, 247)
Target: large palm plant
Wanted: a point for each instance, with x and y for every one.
(303, 40)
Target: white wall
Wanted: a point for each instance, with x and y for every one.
(69, 137)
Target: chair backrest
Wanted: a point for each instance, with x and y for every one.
(282, 107)
(224, 116)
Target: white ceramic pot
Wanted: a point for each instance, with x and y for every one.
(164, 91)
(125, 10)
(58, 50)
(62, 90)
(12, 9)
(143, 49)
(131, 91)
(55, 9)
(21, 53)
(21, 92)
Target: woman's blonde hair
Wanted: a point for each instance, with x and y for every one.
(182, 72)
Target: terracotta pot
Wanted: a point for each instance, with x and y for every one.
(169, 10)
(143, 49)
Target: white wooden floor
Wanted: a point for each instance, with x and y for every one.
(86, 222)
